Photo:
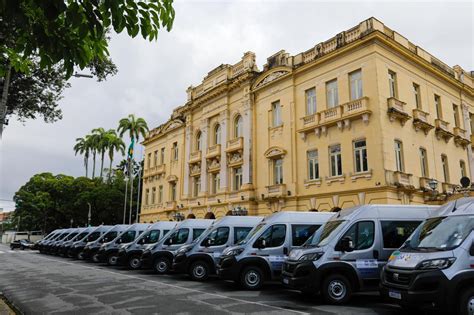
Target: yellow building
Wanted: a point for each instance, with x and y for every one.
(364, 117)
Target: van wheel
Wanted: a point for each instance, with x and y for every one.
(251, 278)
(161, 265)
(199, 271)
(134, 262)
(95, 258)
(466, 305)
(80, 256)
(112, 260)
(336, 289)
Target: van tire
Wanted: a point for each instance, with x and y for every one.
(199, 270)
(161, 265)
(336, 289)
(251, 278)
(112, 260)
(466, 305)
(134, 262)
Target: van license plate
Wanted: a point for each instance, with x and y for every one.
(395, 295)
(286, 281)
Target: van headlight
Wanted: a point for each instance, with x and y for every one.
(233, 252)
(440, 263)
(311, 256)
(184, 249)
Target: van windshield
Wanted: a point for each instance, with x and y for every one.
(323, 236)
(108, 237)
(150, 237)
(127, 237)
(252, 233)
(93, 236)
(81, 236)
(70, 236)
(441, 233)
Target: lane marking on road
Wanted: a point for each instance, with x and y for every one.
(180, 287)
(1, 252)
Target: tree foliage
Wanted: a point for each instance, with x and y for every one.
(72, 33)
(48, 201)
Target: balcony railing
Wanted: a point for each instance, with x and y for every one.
(278, 190)
(442, 130)
(461, 137)
(170, 205)
(213, 151)
(331, 115)
(195, 157)
(396, 110)
(235, 144)
(402, 179)
(421, 121)
(355, 107)
(310, 119)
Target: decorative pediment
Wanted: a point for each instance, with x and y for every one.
(172, 124)
(274, 152)
(271, 76)
(172, 178)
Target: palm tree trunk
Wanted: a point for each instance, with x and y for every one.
(110, 168)
(93, 165)
(87, 166)
(102, 163)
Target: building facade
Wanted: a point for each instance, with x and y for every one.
(364, 117)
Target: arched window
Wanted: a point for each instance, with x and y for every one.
(198, 141)
(217, 134)
(238, 124)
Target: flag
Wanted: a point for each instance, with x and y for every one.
(130, 149)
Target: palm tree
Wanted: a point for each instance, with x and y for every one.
(82, 147)
(114, 143)
(101, 144)
(92, 143)
(134, 126)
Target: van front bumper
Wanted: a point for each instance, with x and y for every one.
(180, 262)
(103, 254)
(227, 268)
(300, 275)
(146, 259)
(425, 289)
(125, 255)
(74, 251)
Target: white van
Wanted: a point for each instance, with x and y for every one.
(434, 269)
(92, 248)
(259, 257)
(348, 253)
(130, 254)
(198, 259)
(160, 257)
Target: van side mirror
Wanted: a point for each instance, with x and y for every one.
(261, 243)
(285, 251)
(168, 241)
(471, 250)
(208, 242)
(345, 244)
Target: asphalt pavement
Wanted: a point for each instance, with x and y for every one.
(42, 284)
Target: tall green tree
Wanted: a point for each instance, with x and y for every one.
(82, 147)
(114, 144)
(101, 144)
(69, 34)
(92, 141)
(135, 127)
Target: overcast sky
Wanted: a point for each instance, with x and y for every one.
(153, 77)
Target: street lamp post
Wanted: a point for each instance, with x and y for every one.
(89, 215)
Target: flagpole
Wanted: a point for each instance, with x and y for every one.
(131, 191)
(125, 201)
(139, 185)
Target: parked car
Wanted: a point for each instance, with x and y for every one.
(91, 249)
(76, 249)
(108, 252)
(259, 257)
(129, 255)
(21, 244)
(160, 257)
(198, 259)
(434, 269)
(348, 253)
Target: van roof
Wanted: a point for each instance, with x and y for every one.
(385, 212)
(139, 226)
(231, 220)
(461, 206)
(168, 225)
(195, 223)
(119, 227)
(299, 217)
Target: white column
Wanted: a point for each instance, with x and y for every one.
(187, 152)
(469, 131)
(247, 141)
(224, 117)
(204, 138)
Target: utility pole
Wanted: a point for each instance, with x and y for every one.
(3, 102)
(89, 215)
